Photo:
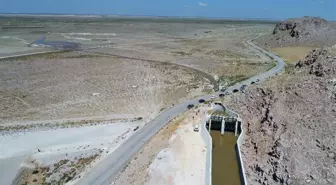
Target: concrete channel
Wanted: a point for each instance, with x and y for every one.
(231, 123)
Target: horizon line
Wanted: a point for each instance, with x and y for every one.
(134, 16)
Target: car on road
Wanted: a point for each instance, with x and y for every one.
(213, 96)
(243, 87)
(253, 82)
(235, 90)
(223, 90)
(190, 106)
(257, 80)
(221, 95)
(201, 101)
(136, 128)
(196, 128)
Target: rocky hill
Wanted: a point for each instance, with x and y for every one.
(301, 26)
(290, 125)
(305, 30)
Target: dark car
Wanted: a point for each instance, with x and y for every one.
(223, 90)
(243, 87)
(253, 82)
(235, 90)
(221, 95)
(190, 106)
(201, 101)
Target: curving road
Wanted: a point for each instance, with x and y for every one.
(106, 171)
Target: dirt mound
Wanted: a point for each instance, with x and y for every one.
(290, 127)
(305, 30)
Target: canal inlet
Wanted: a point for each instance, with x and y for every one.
(224, 126)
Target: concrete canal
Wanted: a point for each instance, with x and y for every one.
(225, 169)
(224, 130)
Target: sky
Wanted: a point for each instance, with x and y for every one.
(264, 9)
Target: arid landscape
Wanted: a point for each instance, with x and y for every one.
(68, 116)
(126, 72)
(290, 120)
(126, 67)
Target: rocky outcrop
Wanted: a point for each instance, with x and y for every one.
(305, 30)
(290, 126)
(317, 63)
(311, 58)
(300, 26)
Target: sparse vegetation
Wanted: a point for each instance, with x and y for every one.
(292, 54)
(225, 53)
(58, 174)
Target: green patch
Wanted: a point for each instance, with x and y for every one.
(274, 63)
(218, 113)
(231, 80)
(225, 53)
(182, 53)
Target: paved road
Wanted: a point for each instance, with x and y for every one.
(106, 171)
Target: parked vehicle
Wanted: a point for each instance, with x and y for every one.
(235, 90)
(213, 96)
(252, 82)
(196, 128)
(223, 90)
(221, 95)
(190, 106)
(201, 101)
(243, 87)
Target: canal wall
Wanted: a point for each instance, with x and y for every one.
(208, 141)
(240, 140)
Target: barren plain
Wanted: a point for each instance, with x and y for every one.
(126, 72)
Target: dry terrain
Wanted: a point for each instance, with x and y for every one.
(289, 124)
(129, 70)
(92, 85)
(126, 72)
(292, 54)
(289, 121)
(170, 157)
(293, 39)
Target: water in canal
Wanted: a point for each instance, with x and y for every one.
(225, 170)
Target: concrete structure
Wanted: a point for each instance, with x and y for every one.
(223, 127)
(223, 123)
(231, 123)
(208, 141)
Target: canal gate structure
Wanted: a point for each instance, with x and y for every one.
(219, 120)
(223, 120)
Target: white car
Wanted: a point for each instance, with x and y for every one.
(196, 128)
(213, 96)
